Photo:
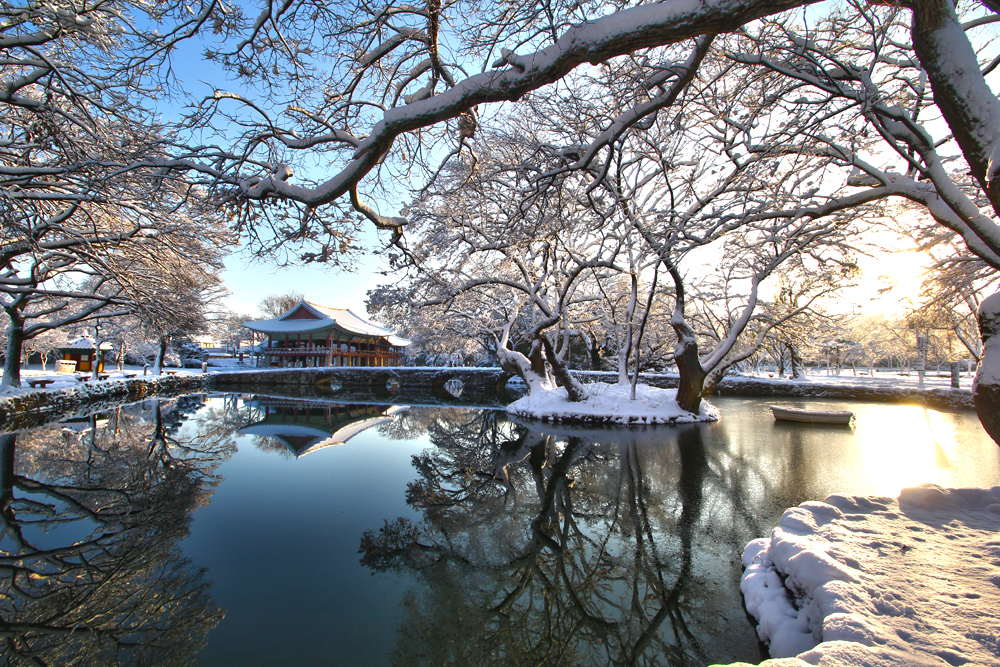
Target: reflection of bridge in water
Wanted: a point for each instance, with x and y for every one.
(306, 426)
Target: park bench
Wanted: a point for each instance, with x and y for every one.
(40, 383)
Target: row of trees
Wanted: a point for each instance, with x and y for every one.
(816, 336)
(786, 146)
(646, 133)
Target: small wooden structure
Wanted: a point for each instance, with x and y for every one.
(310, 335)
(84, 353)
(784, 413)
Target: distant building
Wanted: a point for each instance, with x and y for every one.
(208, 343)
(83, 352)
(311, 335)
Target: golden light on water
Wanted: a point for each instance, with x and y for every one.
(917, 446)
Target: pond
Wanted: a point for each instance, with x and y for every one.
(255, 530)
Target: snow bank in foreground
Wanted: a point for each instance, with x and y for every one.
(610, 404)
(876, 581)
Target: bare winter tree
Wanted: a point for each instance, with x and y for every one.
(385, 91)
(274, 305)
(525, 259)
(398, 88)
(87, 172)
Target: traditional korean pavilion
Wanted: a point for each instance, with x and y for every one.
(311, 335)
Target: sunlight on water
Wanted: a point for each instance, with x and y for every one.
(914, 445)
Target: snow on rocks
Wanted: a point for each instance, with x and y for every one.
(610, 404)
(876, 581)
(21, 408)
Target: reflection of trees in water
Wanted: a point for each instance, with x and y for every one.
(580, 547)
(417, 421)
(92, 512)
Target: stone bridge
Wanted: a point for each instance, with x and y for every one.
(476, 384)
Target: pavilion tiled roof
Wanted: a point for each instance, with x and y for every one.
(326, 317)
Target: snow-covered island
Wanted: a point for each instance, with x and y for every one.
(610, 404)
(878, 581)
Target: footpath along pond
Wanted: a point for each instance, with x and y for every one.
(255, 530)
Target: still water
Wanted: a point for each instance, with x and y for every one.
(252, 530)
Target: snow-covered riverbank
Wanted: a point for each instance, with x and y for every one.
(879, 581)
(28, 407)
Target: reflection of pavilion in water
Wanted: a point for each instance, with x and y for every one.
(306, 426)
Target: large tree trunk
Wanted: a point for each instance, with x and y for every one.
(514, 362)
(798, 368)
(986, 387)
(537, 359)
(12, 360)
(973, 114)
(160, 354)
(692, 375)
(691, 386)
(574, 390)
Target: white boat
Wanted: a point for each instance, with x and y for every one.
(783, 413)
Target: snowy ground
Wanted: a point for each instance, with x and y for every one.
(610, 404)
(879, 581)
(874, 378)
(70, 380)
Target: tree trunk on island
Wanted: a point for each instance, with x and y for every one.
(574, 390)
(515, 362)
(692, 377)
(691, 384)
(535, 356)
(15, 341)
(986, 386)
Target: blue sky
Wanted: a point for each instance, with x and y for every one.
(251, 280)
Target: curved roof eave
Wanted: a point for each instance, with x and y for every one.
(343, 318)
(288, 326)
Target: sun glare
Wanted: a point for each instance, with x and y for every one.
(916, 447)
(890, 282)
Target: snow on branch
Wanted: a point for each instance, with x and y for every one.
(593, 42)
